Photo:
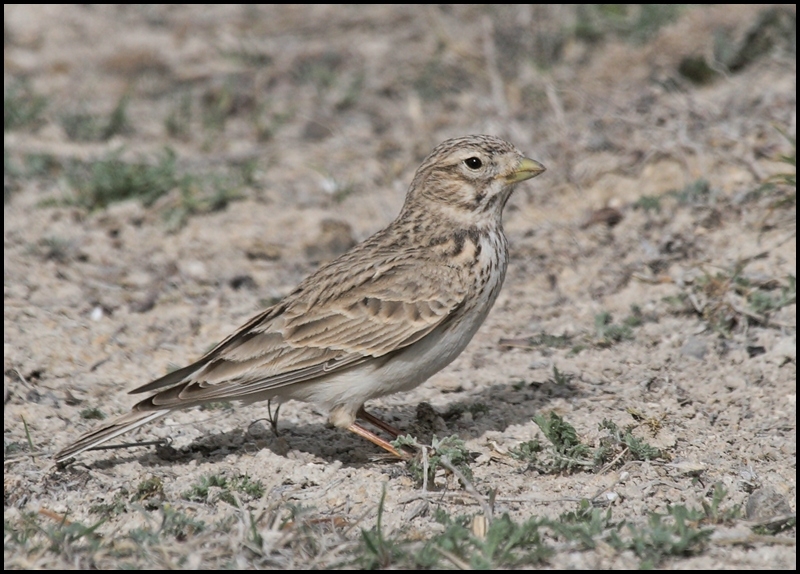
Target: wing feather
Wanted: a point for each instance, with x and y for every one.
(329, 323)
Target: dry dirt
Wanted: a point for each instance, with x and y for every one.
(311, 121)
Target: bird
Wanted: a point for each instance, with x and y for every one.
(380, 319)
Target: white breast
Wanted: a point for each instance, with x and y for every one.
(437, 350)
(346, 391)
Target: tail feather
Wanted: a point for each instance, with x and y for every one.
(115, 428)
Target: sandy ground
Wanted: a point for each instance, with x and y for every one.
(313, 120)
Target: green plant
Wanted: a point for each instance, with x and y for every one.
(82, 126)
(150, 491)
(571, 453)
(378, 550)
(504, 544)
(178, 122)
(111, 179)
(440, 454)
(671, 534)
(199, 492)
(713, 511)
(22, 106)
(618, 438)
(648, 203)
(567, 453)
(697, 192)
(92, 414)
(608, 333)
(635, 23)
(585, 524)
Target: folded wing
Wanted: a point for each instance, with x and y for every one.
(316, 331)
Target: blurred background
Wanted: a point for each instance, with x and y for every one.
(316, 105)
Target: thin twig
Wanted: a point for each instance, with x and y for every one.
(756, 538)
(28, 434)
(273, 419)
(424, 468)
(159, 442)
(457, 562)
(487, 511)
(613, 462)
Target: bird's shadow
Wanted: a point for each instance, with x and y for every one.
(468, 415)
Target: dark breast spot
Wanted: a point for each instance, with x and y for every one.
(458, 244)
(440, 240)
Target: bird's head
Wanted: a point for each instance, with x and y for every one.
(469, 178)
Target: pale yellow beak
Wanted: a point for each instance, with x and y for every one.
(526, 169)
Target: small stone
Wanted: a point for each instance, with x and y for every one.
(448, 383)
(193, 268)
(335, 237)
(280, 446)
(694, 347)
(243, 281)
(766, 503)
(783, 351)
(263, 250)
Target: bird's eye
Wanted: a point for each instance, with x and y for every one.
(473, 163)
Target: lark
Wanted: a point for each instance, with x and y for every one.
(380, 319)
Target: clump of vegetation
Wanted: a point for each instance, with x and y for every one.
(56, 534)
(608, 333)
(783, 185)
(448, 453)
(22, 106)
(92, 414)
(108, 180)
(729, 299)
(648, 203)
(466, 541)
(149, 493)
(567, 453)
(764, 301)
(503, 543)
(178, 122)
(632, 22)
(624, 438)
(378, 551)
(111, 179)
(208, 192)
(697, 192)
(199, 492)
(670, 534)
(85, 127)
(475, 542)
(19, 167)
